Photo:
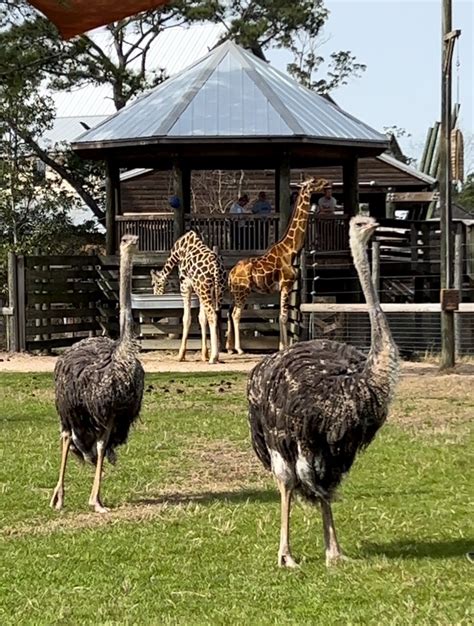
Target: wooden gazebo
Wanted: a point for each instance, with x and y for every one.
(230, 110)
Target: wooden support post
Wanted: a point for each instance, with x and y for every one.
(350, 180)
(283, 192)
(458, 279)
(446, 250)
(181, 190)
(21, 308)
(390, 205)
(12, 345)
(304, 328)
(112, 206)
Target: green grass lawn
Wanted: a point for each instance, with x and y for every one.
(193, 534)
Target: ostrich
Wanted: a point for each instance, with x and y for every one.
(99, 389)
(315, 405)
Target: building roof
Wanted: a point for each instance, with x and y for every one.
(230, 94)
(193, 42)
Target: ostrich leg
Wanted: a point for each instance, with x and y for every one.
(186, 292)
(94, 499)
(333, 550)
(58, 493)
(284, 555)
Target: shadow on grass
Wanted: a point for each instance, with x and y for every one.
(208, 497)
(415, 549)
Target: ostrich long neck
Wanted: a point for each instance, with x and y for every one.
(382, 359)
(125, 296)
(294, 236)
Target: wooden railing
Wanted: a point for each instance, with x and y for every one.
(328, 233)
(155, 232)
(234, 233)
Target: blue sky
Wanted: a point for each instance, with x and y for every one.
(400, 42)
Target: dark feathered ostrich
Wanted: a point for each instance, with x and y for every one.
(315, 405)
(99, 389)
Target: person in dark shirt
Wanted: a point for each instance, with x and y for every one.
(261, 205)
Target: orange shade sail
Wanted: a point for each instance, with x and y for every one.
(73, 17)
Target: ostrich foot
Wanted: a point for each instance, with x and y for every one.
(336, 559)
(98, 506)
(286, 560)
(57, 499)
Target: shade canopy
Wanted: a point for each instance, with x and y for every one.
(73, 17)
(230, 105)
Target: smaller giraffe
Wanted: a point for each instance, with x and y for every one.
(200, 271)
(273, 271)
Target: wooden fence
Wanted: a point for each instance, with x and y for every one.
(58, 300)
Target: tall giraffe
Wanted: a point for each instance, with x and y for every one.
(273, 271)
(200, 270)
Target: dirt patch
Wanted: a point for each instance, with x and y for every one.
(152, 362)
(220, 470)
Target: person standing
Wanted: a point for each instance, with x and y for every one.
(327, 204)
(238, 228)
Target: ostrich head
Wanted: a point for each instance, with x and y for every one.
(128, 244)
(360, 230)
(158, 281)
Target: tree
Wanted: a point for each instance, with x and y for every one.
(34, 59)
(465, 196)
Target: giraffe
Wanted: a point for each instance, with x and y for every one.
(273, 271)
(200, 270)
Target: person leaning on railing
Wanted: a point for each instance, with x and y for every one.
(327, 204)
(261, 206)
(239, 230)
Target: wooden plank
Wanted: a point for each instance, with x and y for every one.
(32, 314)
(50, 344)
(59, 287)
(54, 329)
(52, 274)
(54, 260)
(21, 308)
(387, 307)
(69, 298)
(13, 345)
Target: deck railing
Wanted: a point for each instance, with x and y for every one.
(233, 233)
(155, 232)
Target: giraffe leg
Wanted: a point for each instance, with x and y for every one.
(284, 302)
(203, 324)
(229, 344)
(58, 493)
(186, 292)
(212, 319)
(285, 558)
(236, 315)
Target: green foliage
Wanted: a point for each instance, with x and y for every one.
(465, 196)
(192, 537)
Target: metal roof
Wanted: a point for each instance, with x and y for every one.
(230, 93)
(193, 42)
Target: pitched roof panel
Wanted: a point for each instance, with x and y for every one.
(231, 93)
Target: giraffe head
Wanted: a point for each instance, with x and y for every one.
(158, 282)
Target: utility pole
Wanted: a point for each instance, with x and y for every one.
(448, 297)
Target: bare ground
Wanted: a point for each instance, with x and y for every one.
(160, 361)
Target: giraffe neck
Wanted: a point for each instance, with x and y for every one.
(293, 239)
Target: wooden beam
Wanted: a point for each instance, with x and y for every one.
(283, 191)
(179, 186)
(350, 181)
(112, 205)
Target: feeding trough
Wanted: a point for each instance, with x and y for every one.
(166, 301)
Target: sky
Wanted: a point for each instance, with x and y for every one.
(400, 42)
